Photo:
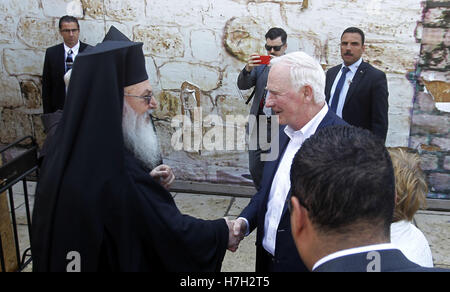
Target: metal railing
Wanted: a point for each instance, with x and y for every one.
(11, 173)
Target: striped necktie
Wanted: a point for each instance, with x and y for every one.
(69, 60)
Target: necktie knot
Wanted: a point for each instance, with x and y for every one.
(345, 70)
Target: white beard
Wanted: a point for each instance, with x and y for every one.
(140, 137)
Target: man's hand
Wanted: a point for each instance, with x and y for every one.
(164, 175)
(253, 61)
(237, 229)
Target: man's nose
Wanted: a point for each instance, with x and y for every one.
(153, 103)
(270, 102)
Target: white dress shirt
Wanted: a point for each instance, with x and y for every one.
(348, 80)
(356, 250)
(281, 183)
(413, 244)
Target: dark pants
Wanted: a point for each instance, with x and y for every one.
(256, 166)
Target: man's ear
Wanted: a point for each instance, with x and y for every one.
(308, 93)
(297, 217)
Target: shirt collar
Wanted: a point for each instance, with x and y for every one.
(356, 250)
(353, 67)
(74, 49)
(310, 128)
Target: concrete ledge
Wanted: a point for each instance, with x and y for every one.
(213, 189)
(438, 205)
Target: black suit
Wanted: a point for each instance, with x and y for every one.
(53, 88)
(286, 257)
(390, 260)
(366, 104)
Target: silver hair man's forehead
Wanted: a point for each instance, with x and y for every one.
(304, 70)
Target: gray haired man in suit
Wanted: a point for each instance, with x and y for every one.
(255, 75)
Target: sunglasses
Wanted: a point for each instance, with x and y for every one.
(147, 98)
(276, 48)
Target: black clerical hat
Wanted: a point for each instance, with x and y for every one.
(134, 71)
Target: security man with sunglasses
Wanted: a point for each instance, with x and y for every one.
(255, 75)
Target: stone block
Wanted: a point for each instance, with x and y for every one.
(14, 125)
(424, 102)
(125, 10)
(10, 88)
(23, 62)
(173, 74)
(7, 29)
(442, 143)
(392, 58)
(92, 31)
(429, 162)
(38, 33)
(94, 8)
(58, 8)
(169, 105)
(161, 41)
(447, 162)
(169, 12)
(31, 92)
(205, 45)
(429, 124)
(434, 57)
(439, 182)
(439, 90)
(433, 36)
(26, 7)
(153, 75)
(398, 130)
(38, 130)
(245, 36)
(436, 17)
(415, 142)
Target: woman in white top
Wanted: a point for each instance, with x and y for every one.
(411, 189)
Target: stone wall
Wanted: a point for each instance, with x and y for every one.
(430, 128)
(205, 42)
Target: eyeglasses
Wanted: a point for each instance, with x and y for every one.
(276, 48)
(75, 30)
(147, 98)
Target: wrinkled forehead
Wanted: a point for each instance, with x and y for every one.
(138, 88)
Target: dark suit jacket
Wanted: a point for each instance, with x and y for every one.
(366, 104)
(258, 78)
(286, 254)
(53, 87)
(391, 260)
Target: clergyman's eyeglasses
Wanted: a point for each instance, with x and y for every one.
(276, 48)
(147, 98)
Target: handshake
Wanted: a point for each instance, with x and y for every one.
(237, 229)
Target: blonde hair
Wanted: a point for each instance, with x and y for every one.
(410, 184)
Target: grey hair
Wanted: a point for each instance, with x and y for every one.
(305, 70)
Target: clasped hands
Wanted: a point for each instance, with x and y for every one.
(164, 175)
(237, 229)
